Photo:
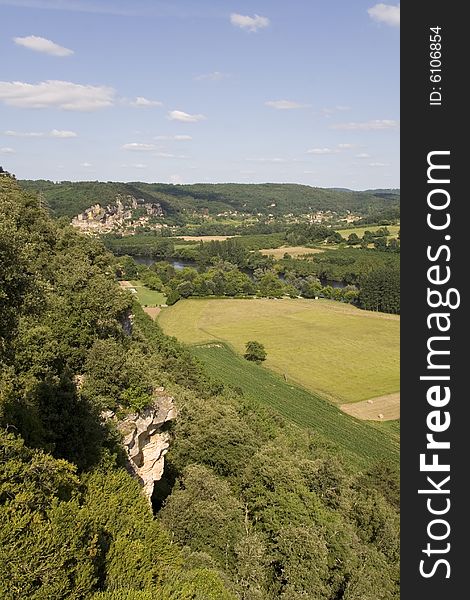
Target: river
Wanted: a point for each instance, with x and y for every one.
(179, 263)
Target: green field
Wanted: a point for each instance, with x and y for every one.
(359, 231)
(148, 297)
(336, 350)
(361, 442)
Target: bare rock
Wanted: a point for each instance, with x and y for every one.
(145, 443)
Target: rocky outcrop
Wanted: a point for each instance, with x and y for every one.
(144, 441)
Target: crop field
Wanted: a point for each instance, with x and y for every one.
(332, 349)
(384, 408)
(359, 231)
(204, 238)
(292, 250)
(361, 442)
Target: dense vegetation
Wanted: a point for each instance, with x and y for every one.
(249, 508)
(70, 198)
(359, 443)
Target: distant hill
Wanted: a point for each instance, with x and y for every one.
(71, 198)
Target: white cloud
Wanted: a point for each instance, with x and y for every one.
(168, 155)
(24, 133)
(60, 133)
(137, 146)
(328, 111)
(346, 146)
(378, 164)
(40, 44)
(249, 23)
(176, 179)
(54, 133)
(134, 166)
(267, 160)
(374, 125)
(179, 115)
(7, 150)
(385, 13)
(87, 165)
(320, 151)
(56, 94)
(177, 138)
(362, 155)
(141, 102)
(214, 76)
(285, 104)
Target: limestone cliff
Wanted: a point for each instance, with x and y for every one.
(144, 441)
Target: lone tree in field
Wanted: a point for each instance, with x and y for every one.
(255, 351)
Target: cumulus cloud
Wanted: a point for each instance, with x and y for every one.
(321, 151)
(56, 94)
(346, 146)
(6, 150)
(385, 13)
(40, 44)
(141, 102)
(214, 76)
(179, 115)
(249, 23)
(54, 133)
(378, 164)
(86, 165)
(139, 147)
(374, 125)
(60, 133)
(285, 104)
(362, 155)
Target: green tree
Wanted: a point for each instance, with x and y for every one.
(255, 352)
(353, 239)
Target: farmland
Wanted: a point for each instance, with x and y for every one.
(331, 349)
(361, 442)
(294, 251)
(359, 231)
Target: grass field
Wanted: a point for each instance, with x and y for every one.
(292, 250)
(359, 231)
(332, 349)
(361, 442)
(147, 297)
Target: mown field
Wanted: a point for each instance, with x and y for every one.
(146, 296)
(362, 442)
(332, 349)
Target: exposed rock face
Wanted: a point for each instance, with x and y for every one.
(144, 441)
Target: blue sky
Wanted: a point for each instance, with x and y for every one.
(305, 91)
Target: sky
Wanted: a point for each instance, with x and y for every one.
(184, 91)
